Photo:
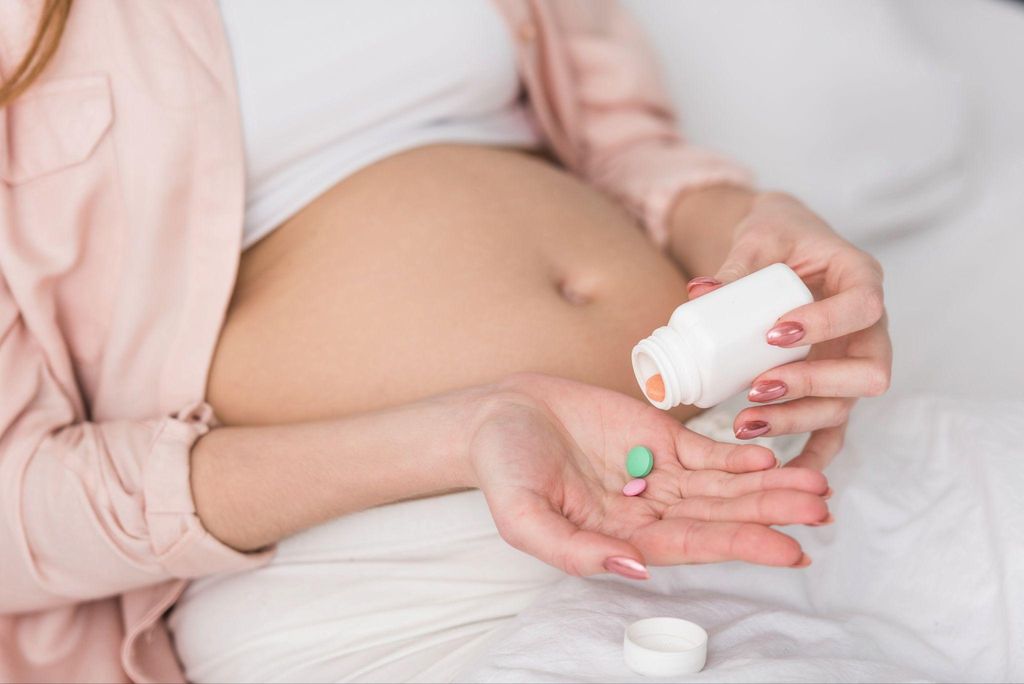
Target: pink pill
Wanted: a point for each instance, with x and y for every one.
(635, 487)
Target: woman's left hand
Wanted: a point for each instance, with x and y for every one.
(852, 353)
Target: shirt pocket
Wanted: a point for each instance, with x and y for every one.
(54, 125)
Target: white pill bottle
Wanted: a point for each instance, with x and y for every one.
(714, 346)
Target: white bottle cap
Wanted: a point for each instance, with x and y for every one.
(665, 647)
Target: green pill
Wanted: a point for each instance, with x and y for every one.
(639, 461)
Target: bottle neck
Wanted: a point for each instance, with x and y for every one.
(670, 354)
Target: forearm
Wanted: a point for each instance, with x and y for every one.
(254, 486)
(701, 226)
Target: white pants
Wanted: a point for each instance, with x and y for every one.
(405, 592)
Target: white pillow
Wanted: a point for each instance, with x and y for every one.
(841, 103)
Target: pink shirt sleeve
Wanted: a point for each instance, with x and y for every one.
(89, 510)
(627, 137)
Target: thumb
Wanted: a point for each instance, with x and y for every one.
(545, 533)
(740, 261)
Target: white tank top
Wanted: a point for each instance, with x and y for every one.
(327, 87)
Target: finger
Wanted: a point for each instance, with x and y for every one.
(701, 286)
(679, 540)
(855, 276)
(544, 532)
(821, 448)
(873, 342)
(855, 308)
(697, 452)
(801, 415)
(772, 507)
(822, 378)
(746, 256)
(876, 345)
(704, 483)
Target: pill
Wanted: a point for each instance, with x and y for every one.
(635, 487)
(655, 387)
(639, 461)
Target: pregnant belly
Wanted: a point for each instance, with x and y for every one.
(442, 267)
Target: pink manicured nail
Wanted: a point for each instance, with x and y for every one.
(754, 428)
(767, 391)
(785, 333)
(827, 521)
(635, 487)
(804, 561)
(702, 280)
(627, 567)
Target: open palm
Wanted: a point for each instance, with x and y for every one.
(549, 455)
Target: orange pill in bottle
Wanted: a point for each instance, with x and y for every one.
(654, 388)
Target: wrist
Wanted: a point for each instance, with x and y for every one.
(497, 402)
(702, 224)
(469, 408)
(431, 439)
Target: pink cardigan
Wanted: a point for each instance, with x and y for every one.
(121, 195)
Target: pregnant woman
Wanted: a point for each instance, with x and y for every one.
(327, 309)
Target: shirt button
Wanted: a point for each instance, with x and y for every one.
(527, 32)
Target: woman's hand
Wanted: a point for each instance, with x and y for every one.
(549, 455)
(852, 353)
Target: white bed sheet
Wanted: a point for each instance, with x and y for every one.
(922, 576)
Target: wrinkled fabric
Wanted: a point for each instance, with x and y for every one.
(918, 579)
(121, 198)
(407, 592)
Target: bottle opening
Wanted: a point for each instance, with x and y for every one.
(649, 375)
(663, 366)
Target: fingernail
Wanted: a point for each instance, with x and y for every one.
(828, 494)
(754, 428)
(767, 391)
(702, 280)
(785, 333)
(827, 521)
(627, 567)
(804, 561)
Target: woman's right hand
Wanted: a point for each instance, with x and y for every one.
(549, 455)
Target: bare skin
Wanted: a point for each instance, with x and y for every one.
(451, 267)
(547, 454)
(440, 268)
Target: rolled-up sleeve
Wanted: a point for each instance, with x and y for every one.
(90, 509)
(629, 144)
